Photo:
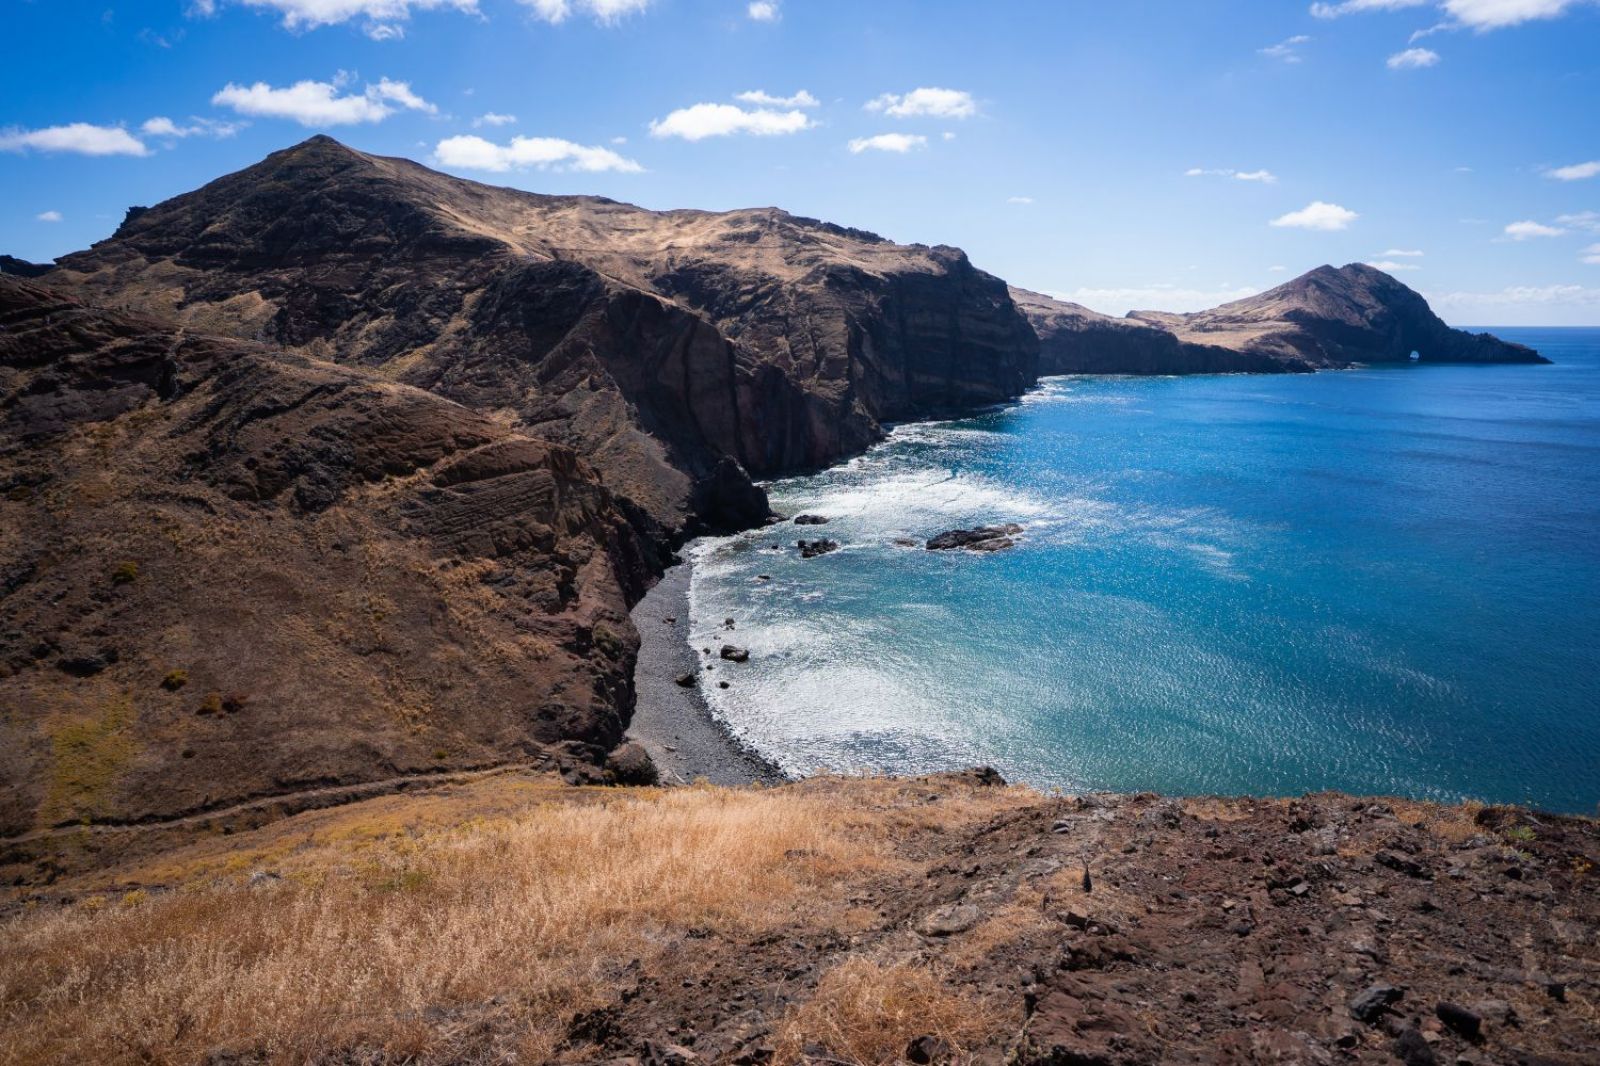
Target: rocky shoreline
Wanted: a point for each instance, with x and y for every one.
(673, 722)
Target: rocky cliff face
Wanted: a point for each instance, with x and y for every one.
(682, 352)
(1075, 340)
(228, 571)
(1327, 319)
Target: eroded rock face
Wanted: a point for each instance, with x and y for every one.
(681, 353)
(230, 571)
(1329, 318)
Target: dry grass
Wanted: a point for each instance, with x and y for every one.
(866, 1012)
(533, 913)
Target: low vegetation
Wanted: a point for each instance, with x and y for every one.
(376, 940)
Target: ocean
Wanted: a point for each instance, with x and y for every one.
(1382, 581)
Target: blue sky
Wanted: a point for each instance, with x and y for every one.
(1166, 155)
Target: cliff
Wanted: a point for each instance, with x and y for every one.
(1329, 318)
(681, 352)
(229, 571)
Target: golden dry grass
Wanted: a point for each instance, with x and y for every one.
(534, 911)
(867, 1012)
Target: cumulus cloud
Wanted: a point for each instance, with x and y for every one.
(926, 103)
(606, 12)
(1391, 265)
(1528, 230)
(1265, 177)
(888, 142)
(1480, 15)
(382, 17)
(725, 120)
(1585, 220)
(763, 11)
(766, 99)
(81, 138)
(1404, 253)
(48, 216)
(162, 126)
(1317, 215)
(320, 103)
(1591, 254)
(1413, 59)
(1575, 172)
(1286, 50)
(543, 153)
(493, 118)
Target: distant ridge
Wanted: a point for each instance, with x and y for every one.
(1327, 318)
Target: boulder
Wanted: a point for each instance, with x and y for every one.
(735, 654)
(980, 539)
(810, 549)
(630, 764)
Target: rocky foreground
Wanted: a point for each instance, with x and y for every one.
(929, 920)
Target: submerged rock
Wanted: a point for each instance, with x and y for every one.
(981, 539)
(810, 549)
(810, 520)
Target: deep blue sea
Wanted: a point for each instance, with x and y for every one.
(1381, 581)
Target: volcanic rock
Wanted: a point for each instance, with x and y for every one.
(1328, 318)
(981, 539)
(810, 549)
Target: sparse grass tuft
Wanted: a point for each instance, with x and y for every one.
(867, 1012)
(125, 573)
(87, 755)
(175, 680)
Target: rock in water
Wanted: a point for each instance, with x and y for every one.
(810, 549)
(810, 520)
(735, 654)
(982, 539)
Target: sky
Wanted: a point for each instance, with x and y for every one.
(1129, 154)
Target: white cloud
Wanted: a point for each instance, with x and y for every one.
(1526, 231)
(81, 138)
(1157, 297)
(1287, 50)
(889, 142)
(607, 12)
(1352, 7)
(926, 103)
(1404, 253)
(1317, 215)
(763, 11)
(493, 118)
(48, 216)
(1019, 199)
(1265, 177)
(1391, 266)
(475, 153)
(318, 103)
(1276, 269)
(162, 126)
(947, 135)
(383, 16)
(1586, 220)
(766, 99)
(724, 120)
(1591, 254)
(1413, 59)
(1480, 15)
(1522, 304)
(1576, 172)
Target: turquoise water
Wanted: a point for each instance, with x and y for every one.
(1381, 581)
